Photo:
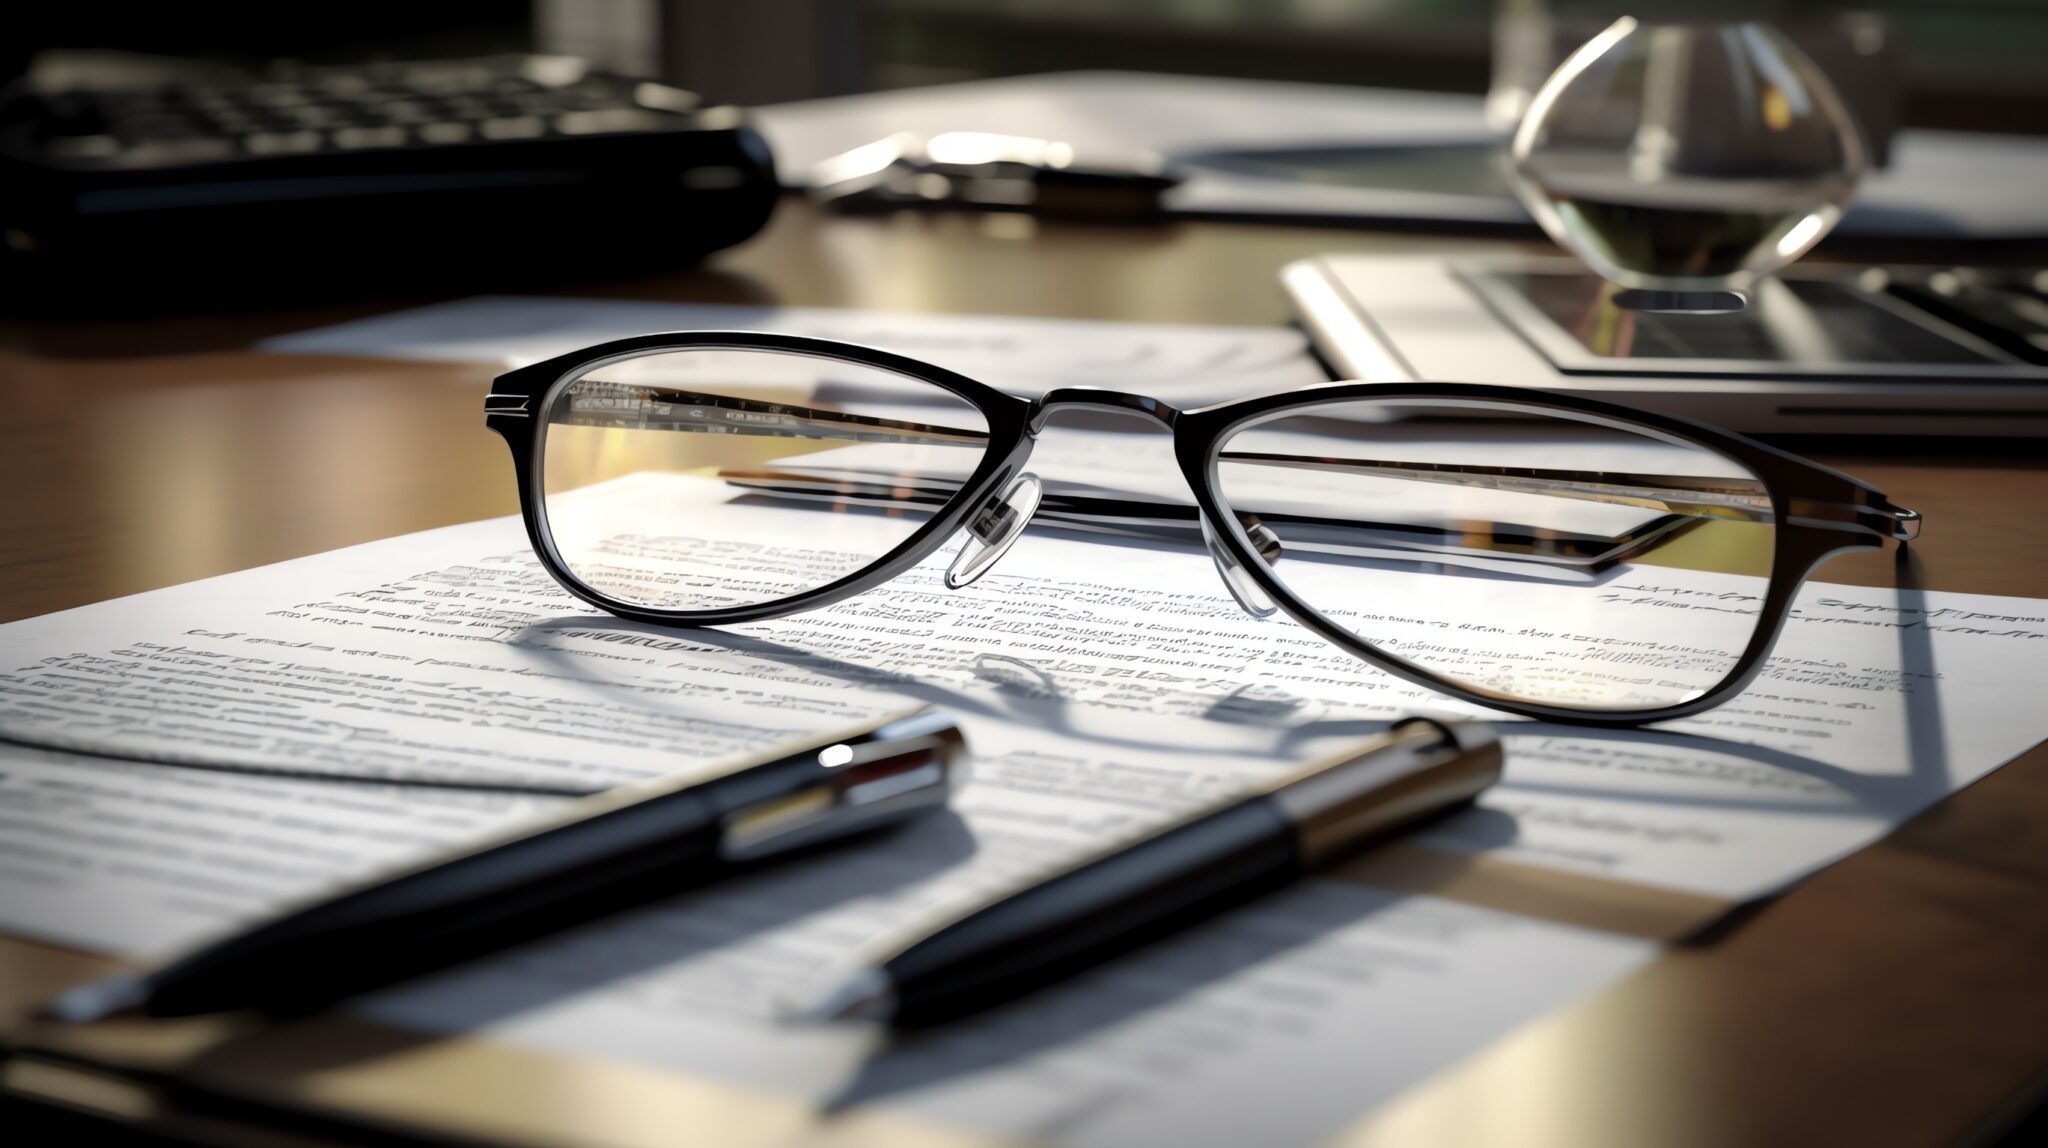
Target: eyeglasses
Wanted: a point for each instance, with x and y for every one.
(1542, 554)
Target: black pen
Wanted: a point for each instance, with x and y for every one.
(604, 852)
(1130, 894)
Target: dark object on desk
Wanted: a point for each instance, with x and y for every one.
(130, 173)
(1132, 894)
(631, 844)
(993, 173)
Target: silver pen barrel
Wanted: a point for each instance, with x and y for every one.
(1421, 767)
(909, 764)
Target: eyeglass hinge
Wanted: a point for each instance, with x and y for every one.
(513, 405)
(1876, 516)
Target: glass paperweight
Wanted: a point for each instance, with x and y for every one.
(1685, 161)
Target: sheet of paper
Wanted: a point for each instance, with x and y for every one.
(449, 654)
(1187, 365)
(144, 859)
(1105, 687)
(1276, 1024)
(368, 655)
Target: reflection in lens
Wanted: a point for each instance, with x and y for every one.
(1555, 559)
(705, 479)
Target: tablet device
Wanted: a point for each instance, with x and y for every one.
(1819, 350)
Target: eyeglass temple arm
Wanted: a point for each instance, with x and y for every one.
(1870, 513)
(602, 404)
(598, 403)
(1503, 547)
(1692, 495)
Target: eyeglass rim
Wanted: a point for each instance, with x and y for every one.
(1796, 550)
(524, 427)
(520, 397)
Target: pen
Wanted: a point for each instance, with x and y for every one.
(1127, 895)
(625, 845)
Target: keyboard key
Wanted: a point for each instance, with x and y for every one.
(345, 85)
(467, 108)
(612, 120)
(446, 132)
(664, 98)
(279, 95)
(513, 128)
(168, 152)
(282, 143)
(365, 137)
(402, 111)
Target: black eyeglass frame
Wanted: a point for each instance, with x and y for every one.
(1817, 512)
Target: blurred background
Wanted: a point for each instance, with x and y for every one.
(1971, 64)
(258, 150)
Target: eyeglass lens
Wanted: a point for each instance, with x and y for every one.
(1426, 527)
(706, 478)
(703, 479)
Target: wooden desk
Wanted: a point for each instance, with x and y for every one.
(1900, 997)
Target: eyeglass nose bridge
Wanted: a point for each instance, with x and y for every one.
(994, 526)
(1243, 588)
(1102, 399)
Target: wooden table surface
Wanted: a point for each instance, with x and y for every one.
(1899, 997)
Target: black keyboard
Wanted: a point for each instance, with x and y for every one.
(495, 161)
(306, 111)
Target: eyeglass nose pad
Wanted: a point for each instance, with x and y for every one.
(1248, 593)
(992, 528)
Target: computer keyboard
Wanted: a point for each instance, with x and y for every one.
(302, 111)
(488, 159)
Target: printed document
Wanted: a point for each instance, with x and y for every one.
(1104, 686)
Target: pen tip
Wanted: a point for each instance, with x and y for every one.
(866, 995)
(97, 1000)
